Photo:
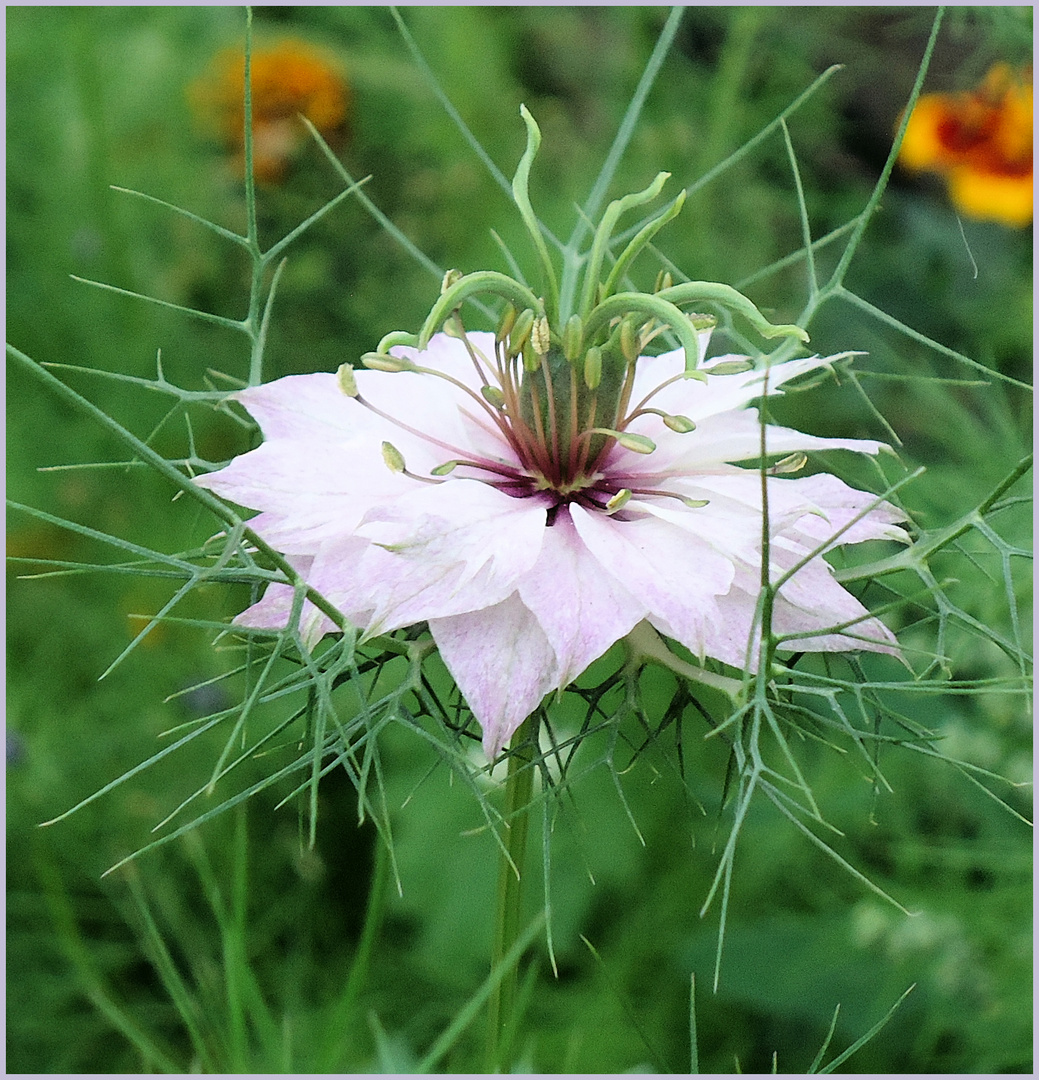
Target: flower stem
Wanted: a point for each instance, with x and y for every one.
(518, 786)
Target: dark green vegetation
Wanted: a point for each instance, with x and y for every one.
(264, 931)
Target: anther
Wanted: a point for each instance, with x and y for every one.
(452, 277)
(386, 362)
(573, 338)
(508, 320)
(628, 439)
(493, 396)
(731, 367)
(346, 380)
(593, 367)
(520, 331)
(618, 501)
(790, 464)
(541, 336)
(393, 457)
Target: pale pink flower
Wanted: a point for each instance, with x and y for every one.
(526, 562)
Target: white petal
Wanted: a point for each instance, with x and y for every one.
(503, 665)
(582, 609)
(675, 574)
(444, 550)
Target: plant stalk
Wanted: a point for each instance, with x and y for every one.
(519, 784)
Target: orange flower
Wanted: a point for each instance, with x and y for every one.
(288, 80)
(981, 142)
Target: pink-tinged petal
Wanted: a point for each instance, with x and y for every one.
(273, 611)
(721, 393)
(308, 493)
(445, 550)
(672, 572)
(582, 611)
(502, 663)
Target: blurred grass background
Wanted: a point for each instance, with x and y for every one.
(99, 96)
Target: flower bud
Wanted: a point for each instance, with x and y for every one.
(346, 380)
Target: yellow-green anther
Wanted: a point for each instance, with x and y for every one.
(385, 362)
(696, 374)
(629, 341)
(453, 328)
(443, 470)
(452, 277)
(618, 500)
(573, 337)
(664, 281)
(790, 464)
(628, 439)
(593, 367)
(695, 504)
(521, 331)
(508, 320)
(531, 359)
(541, 336)
(703, 322)
(681, 424)
(731, 367)
(393, 457)
(346, 380)
(493, 396)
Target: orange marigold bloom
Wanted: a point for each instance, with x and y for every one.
(289, 79)
(981, 142)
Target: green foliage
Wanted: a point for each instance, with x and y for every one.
(353, 933)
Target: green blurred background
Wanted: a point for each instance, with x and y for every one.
(99, 96)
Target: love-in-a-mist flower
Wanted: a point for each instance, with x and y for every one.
(537, 493)
(981, 141)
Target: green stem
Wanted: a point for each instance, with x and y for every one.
(518, 787)
(341, 1025)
